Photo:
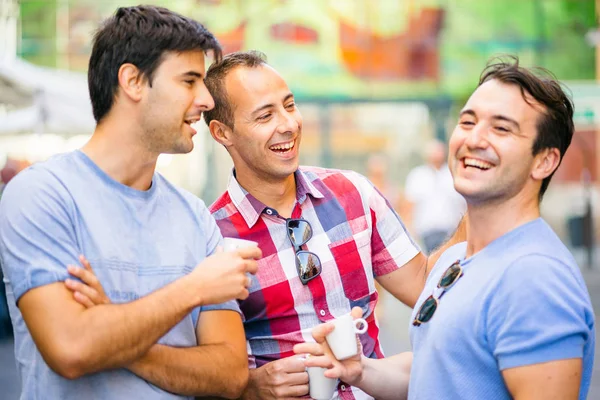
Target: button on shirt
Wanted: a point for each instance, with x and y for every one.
(357, 236)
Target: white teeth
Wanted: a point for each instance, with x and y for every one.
(285, 146)
(470, 162)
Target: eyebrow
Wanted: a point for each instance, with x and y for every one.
(269, 105)
(499, 117)
(191, 74)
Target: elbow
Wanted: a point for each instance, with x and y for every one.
(68, 362)
(238, 384)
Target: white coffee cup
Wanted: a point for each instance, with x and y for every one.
(342, 340)
(232, 244)
(320, 387)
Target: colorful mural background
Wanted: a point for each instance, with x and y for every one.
(352, 49)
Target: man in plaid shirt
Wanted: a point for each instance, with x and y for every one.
(326, 235)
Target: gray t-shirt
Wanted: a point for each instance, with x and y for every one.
(137, 241)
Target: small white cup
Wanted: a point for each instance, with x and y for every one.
(320, 387)
(342, 340)
(232, 244)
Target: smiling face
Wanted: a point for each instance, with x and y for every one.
(175, 100)
(490, 151)
(267, 129)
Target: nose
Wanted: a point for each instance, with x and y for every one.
(477, 137)
(289, 122)
(203, 99)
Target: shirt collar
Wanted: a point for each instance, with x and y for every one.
(250, 208)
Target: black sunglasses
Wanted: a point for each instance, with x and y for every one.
(308, 263)
(449, 278)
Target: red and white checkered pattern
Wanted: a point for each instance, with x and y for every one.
(356, 234)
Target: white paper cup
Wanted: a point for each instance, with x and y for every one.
(320, 387)
(342, 340)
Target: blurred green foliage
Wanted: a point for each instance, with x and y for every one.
(549, 33)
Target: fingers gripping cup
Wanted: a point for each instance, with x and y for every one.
(342, 340)
(232, 244)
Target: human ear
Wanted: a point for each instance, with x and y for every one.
(131, 81)
(220, 132)
(546, 162)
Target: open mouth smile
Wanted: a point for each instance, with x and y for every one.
(476, 163)
(283, 148)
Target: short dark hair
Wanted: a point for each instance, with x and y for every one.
(141, 36)
(215, 82)
(555, 127)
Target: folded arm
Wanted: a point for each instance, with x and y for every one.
(217, 367)
(75, 341)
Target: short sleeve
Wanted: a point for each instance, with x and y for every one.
(540, 312)
(391, 244)
(37, 236)
(214, 239)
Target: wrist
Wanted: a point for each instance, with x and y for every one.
(194, 290)
(363, 374)
(248, 393)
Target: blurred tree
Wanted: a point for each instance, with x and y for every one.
(38, 31)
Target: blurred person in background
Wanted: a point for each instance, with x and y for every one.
(326, 235)
(11, 168)
(433, 208)
(166, 327)
(377, 173)
(515, 320)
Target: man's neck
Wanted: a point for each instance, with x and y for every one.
(488, 222)
(277, 194)
(121, 156)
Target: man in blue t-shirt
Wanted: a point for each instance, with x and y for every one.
(166, 327)
(505, 314)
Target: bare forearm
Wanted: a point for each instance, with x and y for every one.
(206, 370)
(252, 389)
(386, 378)
(114, 335)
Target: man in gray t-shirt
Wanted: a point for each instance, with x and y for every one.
(167, 327)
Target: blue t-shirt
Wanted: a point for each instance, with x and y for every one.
(137, 242)
(522, 301)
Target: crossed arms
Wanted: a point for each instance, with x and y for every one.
(76, 338)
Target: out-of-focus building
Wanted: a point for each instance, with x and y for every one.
(370, 76)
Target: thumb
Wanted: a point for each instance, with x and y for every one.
(357, 312)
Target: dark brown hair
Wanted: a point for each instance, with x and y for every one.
(141, 36)
(215, 82)
(555, 127)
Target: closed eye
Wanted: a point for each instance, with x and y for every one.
(264, 117)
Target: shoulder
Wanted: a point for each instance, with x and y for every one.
(543, 272)
(223, 208)
(179, 194)
(41, 181)
(339, 181)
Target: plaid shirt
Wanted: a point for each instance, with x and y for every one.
(356, 234)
